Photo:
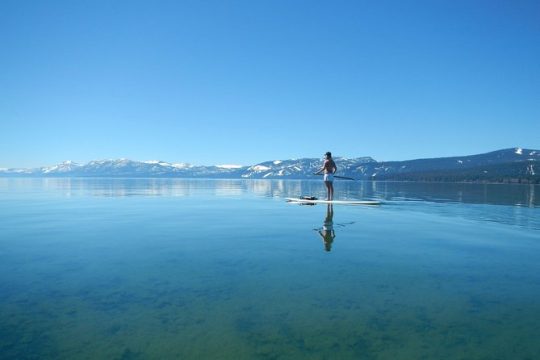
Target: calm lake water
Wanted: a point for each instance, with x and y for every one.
(226, 269)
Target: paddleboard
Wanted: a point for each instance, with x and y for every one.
(336, 202)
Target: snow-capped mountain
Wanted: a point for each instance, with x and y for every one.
(65, 167)
(514, 164)
(497, 165)
(127, 168)
(300, 168)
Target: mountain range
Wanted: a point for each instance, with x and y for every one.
(516, 165)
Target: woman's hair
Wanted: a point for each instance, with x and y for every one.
(328, 153)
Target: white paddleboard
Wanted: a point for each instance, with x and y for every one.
(336, 202)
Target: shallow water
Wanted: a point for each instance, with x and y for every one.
(226, 269)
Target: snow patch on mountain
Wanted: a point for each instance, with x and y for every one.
(229, 166)
(182, 165)
(260, 168)
(157, 162)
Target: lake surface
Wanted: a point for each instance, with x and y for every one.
(226, 269)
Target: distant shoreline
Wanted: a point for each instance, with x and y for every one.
(480, 182)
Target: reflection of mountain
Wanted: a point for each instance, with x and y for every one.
(510, 165)
(397, 196)
(494, 194)
(394, 192)
(437, 198)
(118, 187)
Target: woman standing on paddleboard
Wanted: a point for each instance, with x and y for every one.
(329, 168)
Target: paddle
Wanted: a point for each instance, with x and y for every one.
(339, 177)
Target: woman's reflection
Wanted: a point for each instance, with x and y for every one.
(327, 231)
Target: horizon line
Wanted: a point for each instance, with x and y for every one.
(187, 164)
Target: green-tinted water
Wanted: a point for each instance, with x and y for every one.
(167, 269)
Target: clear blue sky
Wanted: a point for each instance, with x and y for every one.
(240, 82)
